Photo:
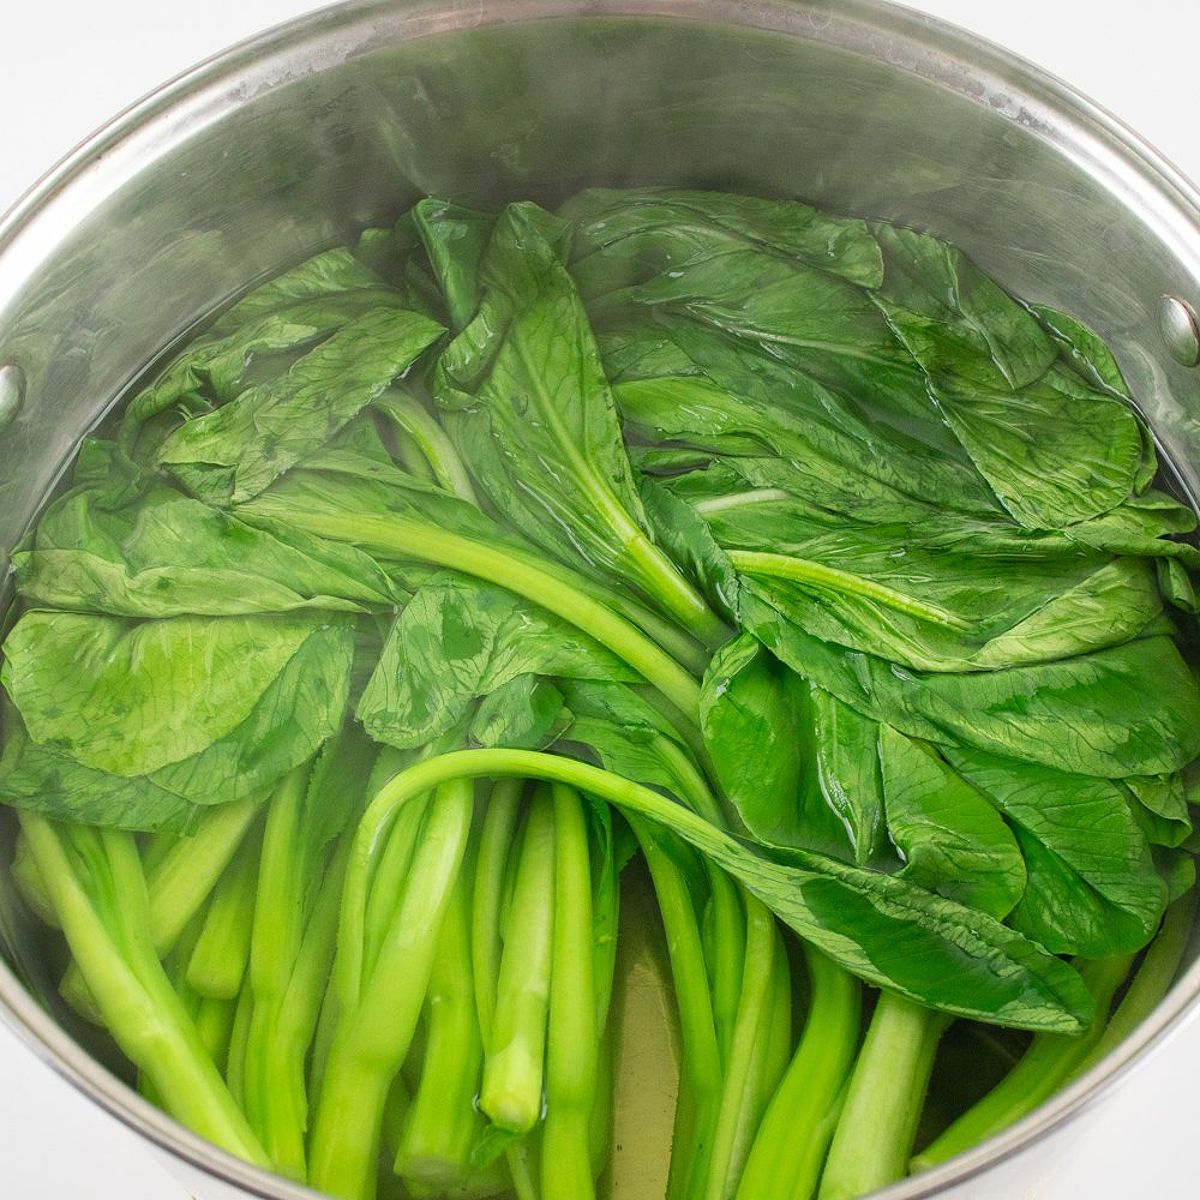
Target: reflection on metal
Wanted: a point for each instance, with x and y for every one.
(12, 393)
(1180, 330)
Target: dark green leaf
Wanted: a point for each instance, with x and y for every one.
(928, 278)
(459, 640)
(526, 712)
(308, 302)
(950, 839)
(454, 239)
(531, 411)
(1092, 886)
(761, 736)
(232, 454)
(1161, 806)
(621, 237)
(1132, 709)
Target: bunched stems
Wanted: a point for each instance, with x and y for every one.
(372, 1035)
(790, 1147)
(874, 1135)
(109, 934)
(180, 879)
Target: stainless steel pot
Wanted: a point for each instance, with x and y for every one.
(338, 120)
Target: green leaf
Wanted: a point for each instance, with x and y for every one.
(738, 401)
(131, 697)
(299, 709)
(1055, 453)
(1092, 885)
(454, 239)
(1132, 709)
(526, 712)
(332, 273)
(627, 736)
(975, 318)
(46, 781)
(848, 774)
(949, 837)
(459, 640)
(686, 537)
(529, 408)
(1054, 450)
(760, 735)
(1084, 349)
(338, 787)
(751, 715)
(1161, 806)
(131, 545)
(621, 237)
(232, 454)
(308, 302)
(938, 595)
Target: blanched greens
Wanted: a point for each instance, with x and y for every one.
(781, 558)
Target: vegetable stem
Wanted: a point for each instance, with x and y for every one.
(1152, 980)
(698, 1104)
(514, 1063)
(786, 1158)
(495, 842)
(218, 960)
(800, 570)
(372, 1038)
(140, 1008)
(573, 1043)
(751, 1032)
(441, 1124)
(413, 539)
(431, 440)
(874, 1135)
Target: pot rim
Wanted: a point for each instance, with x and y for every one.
(941, 53)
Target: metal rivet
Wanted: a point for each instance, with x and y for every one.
(12, 393)
(1180, 330)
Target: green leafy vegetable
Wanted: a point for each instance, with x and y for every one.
(232, 454)
(785, 557)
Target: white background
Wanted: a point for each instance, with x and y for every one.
(68, 65)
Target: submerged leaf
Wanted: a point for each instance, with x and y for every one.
(459, 640)
(234, 453)
(949, 836)
(1132, 709)
(130, 545)
(1092, 886)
